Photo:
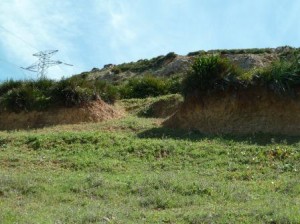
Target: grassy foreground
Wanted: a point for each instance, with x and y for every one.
(134, 171)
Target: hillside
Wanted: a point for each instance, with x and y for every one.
(173, 64)
(167, 147)
(270, 74)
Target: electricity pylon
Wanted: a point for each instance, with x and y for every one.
(44, 62)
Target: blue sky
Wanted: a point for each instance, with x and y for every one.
(91, 33)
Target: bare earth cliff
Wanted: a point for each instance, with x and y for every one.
(94, 111)
(239, 112)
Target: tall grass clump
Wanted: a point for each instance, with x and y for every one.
(281, 76)
(210, 73)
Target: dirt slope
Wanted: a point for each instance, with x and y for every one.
(239, 112)
(173, 64)
(95, 111)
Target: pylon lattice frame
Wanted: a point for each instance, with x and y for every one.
(44, 62)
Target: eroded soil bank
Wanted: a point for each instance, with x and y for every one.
(95, 111)
(239, 112)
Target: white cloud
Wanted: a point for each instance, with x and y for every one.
(119, 26)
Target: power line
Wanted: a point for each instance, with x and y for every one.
(18, 37)
(10, 63)
(15, 66)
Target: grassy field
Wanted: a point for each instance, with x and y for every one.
(134, 171)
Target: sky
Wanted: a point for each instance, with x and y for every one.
(92, 33)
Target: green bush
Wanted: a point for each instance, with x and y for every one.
(42, 94)
(24, 98)
(41, 84)
(106, 91)
(143, 87)
(70, 93)
(8, 85)
(174, 84)
(210, 73)
(281, 76)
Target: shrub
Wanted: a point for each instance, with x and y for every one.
(77, 91)
(210, 73)
(174, 84)
(281, 76)
(143, 87)
(24, 98)
(41, 84)
(71, 92)
(8, 85)
(42, 94)
(106, 91)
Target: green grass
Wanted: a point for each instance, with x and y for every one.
(144, 107)
(134, 171)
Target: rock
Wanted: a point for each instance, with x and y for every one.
(179, 65)
(108, 66)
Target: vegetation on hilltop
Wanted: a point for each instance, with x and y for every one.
(150, 86)
(217, 73)
(43, 94)
(282, 51)
(211, 71)
(144, 65)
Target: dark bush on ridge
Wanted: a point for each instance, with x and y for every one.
(106, 91)
(143, 87)
(8, 85)
(42, 94)
(150, 86)
(281, 76)
(174, 84)
(210, 73)
(70, 93)
(20, 96)
(76, 91)
(24, 98)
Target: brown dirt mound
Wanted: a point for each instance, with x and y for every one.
(95, 111)
(239, 112)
